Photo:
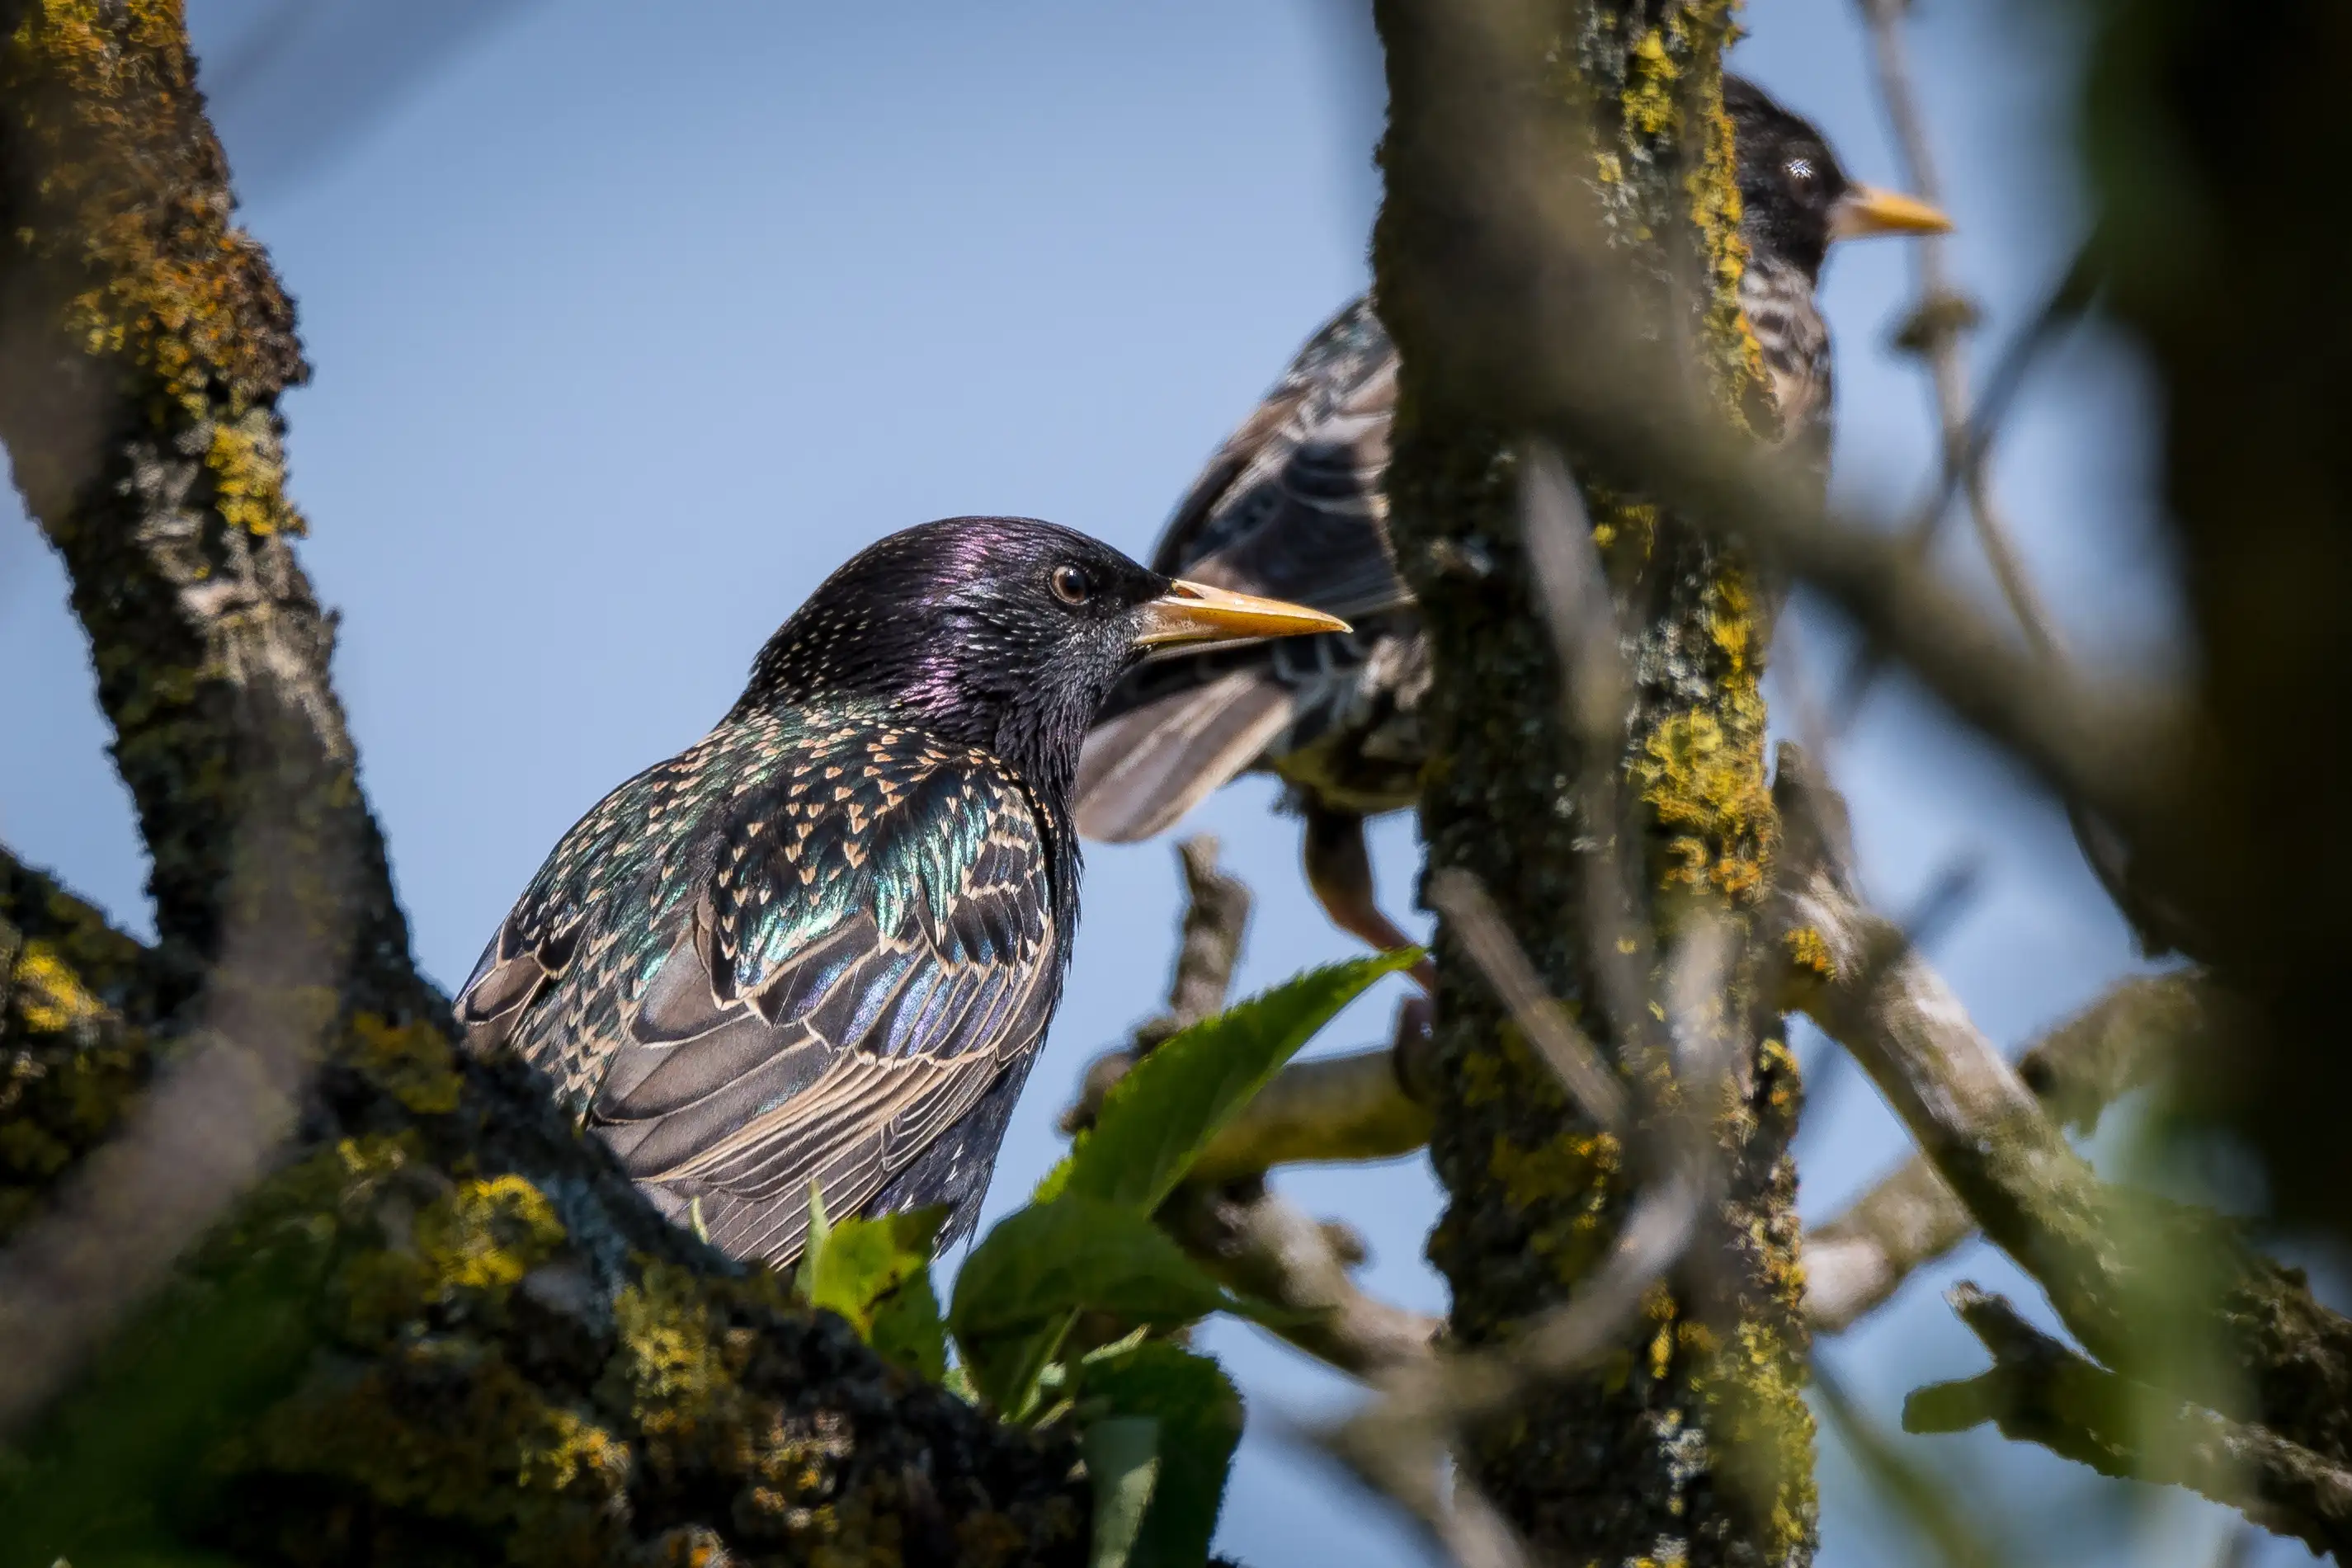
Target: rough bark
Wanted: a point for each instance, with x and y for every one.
(1509, 127)
(436, 1325)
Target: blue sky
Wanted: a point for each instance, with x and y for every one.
(631, 322)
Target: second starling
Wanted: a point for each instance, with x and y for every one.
(1291, 504)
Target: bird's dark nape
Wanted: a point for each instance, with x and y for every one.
(823, 944)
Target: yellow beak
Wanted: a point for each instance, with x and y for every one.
(1195, 613)
(1867, 210)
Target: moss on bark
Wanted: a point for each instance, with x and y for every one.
(1695, 1445)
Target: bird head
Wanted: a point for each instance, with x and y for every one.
(1007, 633)
(1795, 197)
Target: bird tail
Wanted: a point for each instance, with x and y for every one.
(1147, 764)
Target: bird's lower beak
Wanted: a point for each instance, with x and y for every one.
(1867, 210)
(1196, 612)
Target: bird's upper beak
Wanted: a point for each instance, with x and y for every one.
(1196, 612)
(1867, 210)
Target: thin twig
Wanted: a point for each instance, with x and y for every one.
(1966, 439)
(1581, 1070)
(1596, 697)
(1225, 1216)
(1915, 1488)
(1947, 364)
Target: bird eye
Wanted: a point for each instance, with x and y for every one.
(1070, 585)
(1800, 174)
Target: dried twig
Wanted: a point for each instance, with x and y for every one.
(1353, 1107)
(1923, 1496)
(1940, 309)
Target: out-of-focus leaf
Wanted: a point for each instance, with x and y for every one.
(1197, 1416)
(1156, 1120)
(1041, 1265)
(820, 1228)
(1122, 1454)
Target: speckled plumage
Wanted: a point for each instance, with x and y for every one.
(823, 942)
(1292, 505)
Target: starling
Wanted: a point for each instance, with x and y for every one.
(1291, 506)
(823, 943)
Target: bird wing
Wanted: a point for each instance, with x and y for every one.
(841, 958)
(1290, 506)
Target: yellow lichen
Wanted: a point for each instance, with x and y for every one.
(131, 227)
(413, 1062)
(1697, 774)
(1650, 77)
(486, 1235)
(1810, 953)
(1564, 1186)
(1759, 1427)
(49, 998)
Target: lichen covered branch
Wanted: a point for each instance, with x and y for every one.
(435, 1324)
(1559, 240)
(2039, 1391)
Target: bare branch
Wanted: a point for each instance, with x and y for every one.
(2136, 1034)
(1257, 1242)
(1963, 458)
(1351, 1107)
(1924, 1497)
(2039, 1391)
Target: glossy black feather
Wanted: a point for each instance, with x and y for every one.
(823, 943)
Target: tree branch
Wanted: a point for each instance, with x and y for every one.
(2134, 1035)
(2160, 1291)
(441, 1323)
(2039, 1391)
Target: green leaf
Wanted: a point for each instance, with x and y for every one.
(909, 1331)
(1157, 1119)
(858, 1262)
(1042, 1265)
(1122, 1455)
(1197, 1416)
(876, 1273)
